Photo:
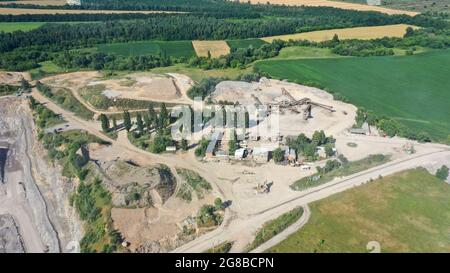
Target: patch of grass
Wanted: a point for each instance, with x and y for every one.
(274, 227)
(198, 74)
(94, 95)
(345, 170)
(195, 181)
(304, 52)
(404, 212)
(412, 90)
(224, 247)
(66, 100)
(44, 117)
(245, 43)
(167, 48)
(46, 68)
(6, 90)
(185, 193)
(9, 27)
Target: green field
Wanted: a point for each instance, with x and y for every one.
(197, 74)
(413, 90)
(304, 52)
(168, 48)
(24, 26)
(405, 212)
(244, 43)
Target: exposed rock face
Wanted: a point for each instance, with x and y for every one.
(10, 240)
(136, 186)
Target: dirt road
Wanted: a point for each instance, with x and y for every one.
(285, 233)
(241, 223)
(241, 230)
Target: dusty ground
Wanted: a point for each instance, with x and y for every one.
(341, 5)
(10, 239)
(29, 184)
(13, 78)
(362, 33)
(215, 48)
(290, 123)
(235, 181)
(170, 87)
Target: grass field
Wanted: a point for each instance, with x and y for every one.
(411, 89)
(404, 212)
(347, 169)
(244, 43)
(304, 52)
(215, 48)
(198, 74)
(45, 69)
(362, 33)
(274, 227)
(23, 26)
(169, 48)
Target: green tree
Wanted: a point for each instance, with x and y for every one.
(278, 155)
(319, 138)
(310, 151)
(218, 203)
(409, 32)
(139, 123)
(335, 39)
(153, 117)
(442, 173)
(127, 120)
(184, 144)
(25, 85)
(233, 144)
(114, 122)
(105, 123)
(329, 150)
(163, 116)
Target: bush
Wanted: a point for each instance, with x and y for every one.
(442, 173)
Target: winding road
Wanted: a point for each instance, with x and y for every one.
(237, 226)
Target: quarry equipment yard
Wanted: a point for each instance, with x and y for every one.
(32, 191)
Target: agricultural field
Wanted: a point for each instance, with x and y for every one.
(9, 27)
(304, 52)
(363, 33)
(168, 48)
(215, 48)
(197, 74)
(335, 4)
(386, 211)
(413, 5)
(244, 43)
(410, 89)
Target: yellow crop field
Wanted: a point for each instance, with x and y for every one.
(362, 33)
(341, 5)
(215, 48)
